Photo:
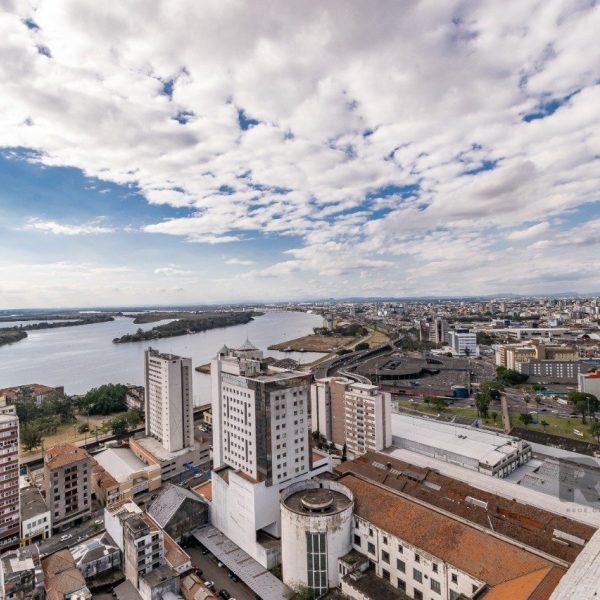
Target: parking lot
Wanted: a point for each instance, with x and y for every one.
(210, 571)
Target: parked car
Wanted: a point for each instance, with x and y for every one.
(64, 538)
(210, 585)
(220, 564)
(225, 595)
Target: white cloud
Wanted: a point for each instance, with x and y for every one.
(351, 102)
(533, 231)
(64, 229)
(238, 261)
(171, 270)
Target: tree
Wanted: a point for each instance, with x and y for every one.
(584, 404)
(544, 424)
(526, 419)
(494, 416)
(595, 429)
(31, 437)
(440, 404)
(491, 390)
(103, 400)
(362, 346)
(510, 376)
(119, 425)
(482, 402)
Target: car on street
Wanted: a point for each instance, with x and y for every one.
(64, 538)
(210, 585)
(219, 564)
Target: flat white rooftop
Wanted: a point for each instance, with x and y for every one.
(121, 463)
(478, 444)
(157, 450)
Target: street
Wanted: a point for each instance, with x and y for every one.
(76, 535)
(211, 572)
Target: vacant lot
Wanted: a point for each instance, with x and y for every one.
(315, 343)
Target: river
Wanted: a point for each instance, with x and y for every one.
(84, 356)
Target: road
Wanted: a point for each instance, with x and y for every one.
(77, 534)
(211, 572)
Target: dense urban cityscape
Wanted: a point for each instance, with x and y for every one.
(441, 448)
(299, 300)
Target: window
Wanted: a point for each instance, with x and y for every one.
(385, 556)
(417, 575)
(454, 578)
(401, 584)
(316, 558)
(435, 586)
(400, 548)
(356, 540)
(400, 565)
(435, 567)
(385, 574)
(385, 540)
(418, 595)
(417, 558)
(454, 595)
(371, 548)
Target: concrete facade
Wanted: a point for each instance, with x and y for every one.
(9, 485)
(169, 404)
(316, 529)
(67, 484)
(367, 419)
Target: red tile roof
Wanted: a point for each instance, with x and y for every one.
(62, 455)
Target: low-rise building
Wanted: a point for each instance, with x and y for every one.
(63, 580)
(463, 342)
(134, 397)
(67, 484)
(151, 452)
(97, 556)
(193, 588)
(488, 452)
(130, 474)
(21, 574)
(589, 383)
(37, 391)
(178, 511)
(36, 520)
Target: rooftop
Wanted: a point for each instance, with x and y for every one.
(168, 501)
(252, 573)
(120, 463)
(373, 588)
(62, 455)
(32, 503)
(154, 447)
(484, 446)
(317, 501)
(204, 490)
(94, 549)
(441, 536)
(159, 575)
(61, 575)
(519, 521)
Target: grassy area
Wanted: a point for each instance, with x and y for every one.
(377, 337)
(556, 425)
(67, 433)
(315, 343)
(462, 412)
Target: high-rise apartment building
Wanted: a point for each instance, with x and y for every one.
(67, 484)
(169, 404)
(368, 422)
(438, 330)
(261, 416)
(261, 444)
(327, 399)
(9, 482)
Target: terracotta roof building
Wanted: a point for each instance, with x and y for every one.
(67, 484)
(63, 579)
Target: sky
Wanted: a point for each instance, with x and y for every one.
(157, 152)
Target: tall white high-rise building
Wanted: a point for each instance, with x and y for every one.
(438, 330)
(261, 444)
(368, 419)
(261, 416)
(169, 404)
(9, 483)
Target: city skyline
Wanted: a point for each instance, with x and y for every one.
(234, 152)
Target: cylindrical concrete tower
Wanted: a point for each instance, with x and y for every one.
(316, 530)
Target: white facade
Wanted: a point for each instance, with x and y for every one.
(169, 404)
(320, 405)
(316, 529)
(464, 343)
(367, 419)
(410, 568)
(589, 383)
(39, 525)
